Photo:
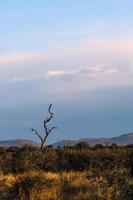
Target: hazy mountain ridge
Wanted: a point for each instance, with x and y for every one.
(120, 140)
(17, 142)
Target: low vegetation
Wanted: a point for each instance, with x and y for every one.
(78, 172)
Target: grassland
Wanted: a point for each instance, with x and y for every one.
(100, 173)
(85, 185)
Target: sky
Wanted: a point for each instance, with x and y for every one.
(75, 54)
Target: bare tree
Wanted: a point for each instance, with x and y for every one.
(47, 130)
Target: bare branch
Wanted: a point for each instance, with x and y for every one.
(49, 109)
(50, 116)
(35, 131)
(48, 119)
(50, 130)
(47, 130)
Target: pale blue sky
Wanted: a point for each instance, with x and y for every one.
(38, 25)
(66, 52)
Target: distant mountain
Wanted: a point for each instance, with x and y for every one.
(17, 143)
(123, 139)
(120, 140)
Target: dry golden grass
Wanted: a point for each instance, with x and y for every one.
(37, 185)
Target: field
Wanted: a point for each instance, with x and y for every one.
(65, 186)
(70, 173)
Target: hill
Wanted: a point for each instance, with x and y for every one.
(17, 143)
(120, 140)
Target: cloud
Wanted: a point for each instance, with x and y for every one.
(56, 73)
(90, 64)
(91, 78)
(95, 71)
(19, 58)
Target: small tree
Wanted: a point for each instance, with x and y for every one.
(47, 130)
(82, 145)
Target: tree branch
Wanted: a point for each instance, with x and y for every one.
(47, 130)
(52, 129)
(35, 131)
(50, 115)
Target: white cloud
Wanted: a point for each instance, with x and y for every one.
(87, 65)
(95, 71)
(55, 73)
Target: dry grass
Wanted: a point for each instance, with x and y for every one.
(59, 186)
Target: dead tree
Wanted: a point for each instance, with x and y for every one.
(47, 130)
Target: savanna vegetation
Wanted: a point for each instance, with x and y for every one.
(78, 172)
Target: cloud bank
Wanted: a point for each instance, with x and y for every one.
(89, 64)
